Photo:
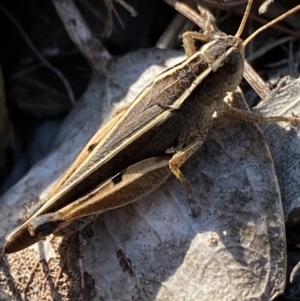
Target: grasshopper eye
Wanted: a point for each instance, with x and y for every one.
(233, 62)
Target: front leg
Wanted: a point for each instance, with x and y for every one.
(188, 41)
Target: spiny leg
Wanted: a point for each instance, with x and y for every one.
(255, 117)
(177, 160)
(133, 183)
(188, 41)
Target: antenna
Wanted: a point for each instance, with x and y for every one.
(244, 20)
(280, 18)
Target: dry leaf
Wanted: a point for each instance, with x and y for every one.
(284, 143)
(154, 249)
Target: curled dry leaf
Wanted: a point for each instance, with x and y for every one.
(154, 249)
(284, 144)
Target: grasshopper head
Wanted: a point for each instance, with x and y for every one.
(225, 55)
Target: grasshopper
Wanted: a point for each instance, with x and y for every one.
(144, 144)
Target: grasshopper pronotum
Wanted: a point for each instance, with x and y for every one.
(148, 141)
